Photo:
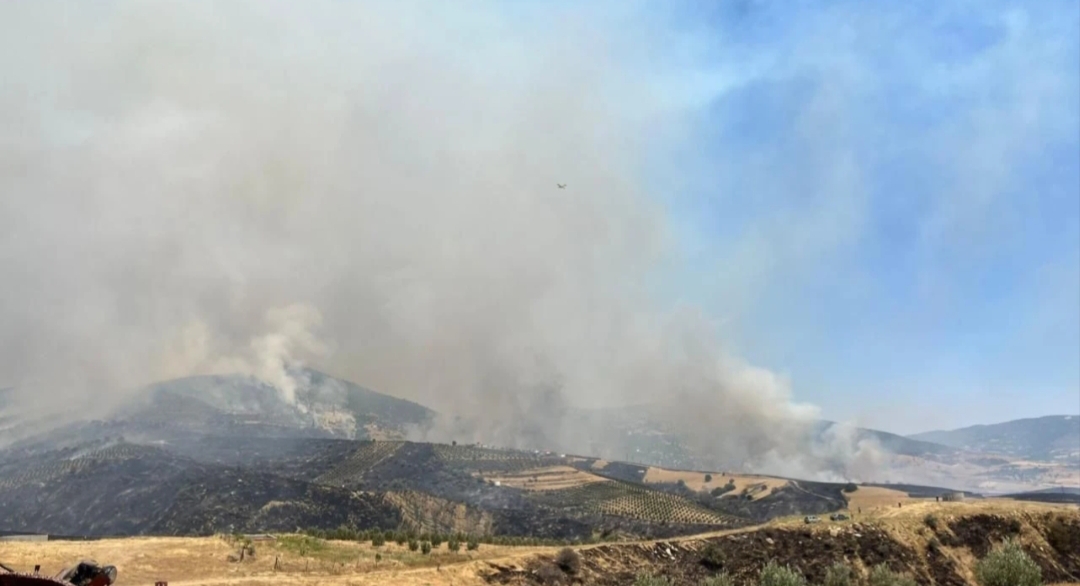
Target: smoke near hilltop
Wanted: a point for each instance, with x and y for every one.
(368, 188)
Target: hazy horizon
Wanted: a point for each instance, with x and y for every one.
(773, 212)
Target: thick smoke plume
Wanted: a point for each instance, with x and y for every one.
(369, 188)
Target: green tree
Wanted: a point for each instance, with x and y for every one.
(839, 574)
(718, 580)
(648, 579)
(414, 545)
(1008, 565)
(881, 575)
(454, 545)
(425, 547)
(773, 574)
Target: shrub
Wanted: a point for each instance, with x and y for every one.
(708, 478)
(721, 490)
(718, 580)
(568, 560)
(414, 545)
(472, 544)
(437, 540)
(931, 521)
(399, 538)
(1008, 565)
(934, 545)
(712, 556)
(773, 574)
(850, 487)
(378, 539)
(454, 545)
(425, 547)
(648, 579)
(881, 575)
(549, 574)
(839, 574)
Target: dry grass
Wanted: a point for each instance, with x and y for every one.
(870, 498)
(549, 478)
(305, 562)
(301, 561)
(758, 486)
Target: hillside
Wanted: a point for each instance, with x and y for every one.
(242, 407)
(942, 555)
(203, 485)
(938, 553)
(1050, 438)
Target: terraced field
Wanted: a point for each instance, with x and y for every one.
(630, 501)
(490, 459)
(366, 457)
(547, 478)
(72, 464)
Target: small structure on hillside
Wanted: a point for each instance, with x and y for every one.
(952, 497)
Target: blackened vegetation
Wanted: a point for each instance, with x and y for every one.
(301, 459)
(811, 552)
(1062, 533)
(979, 533)
(798, 498)
(740, 555)
(1061, 563)
(126, 489)
(250, 502)
(621, 471)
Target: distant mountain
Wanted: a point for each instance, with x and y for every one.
(1050, 438)
(898, 444)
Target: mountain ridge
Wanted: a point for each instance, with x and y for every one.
(1049, 437)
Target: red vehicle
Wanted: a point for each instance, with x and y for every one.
(84, 573)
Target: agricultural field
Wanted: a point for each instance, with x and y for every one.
(547, 478)
(494, 460)
(873, 497)
(366, 457)
(71, 463)
(635, 502)
(750, 486)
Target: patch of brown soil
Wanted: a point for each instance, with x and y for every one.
(745, 484)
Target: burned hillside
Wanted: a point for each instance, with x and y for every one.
(931, 557)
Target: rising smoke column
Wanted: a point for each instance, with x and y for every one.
(366, 187)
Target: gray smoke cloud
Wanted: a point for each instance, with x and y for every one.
(369, 188)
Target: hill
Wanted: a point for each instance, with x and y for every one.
(243, 407)
(941, 555)
(202, 485)
(1052, 438)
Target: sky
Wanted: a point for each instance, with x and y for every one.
(901, 184)
(775, 210)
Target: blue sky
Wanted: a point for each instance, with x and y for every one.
(888, 207)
